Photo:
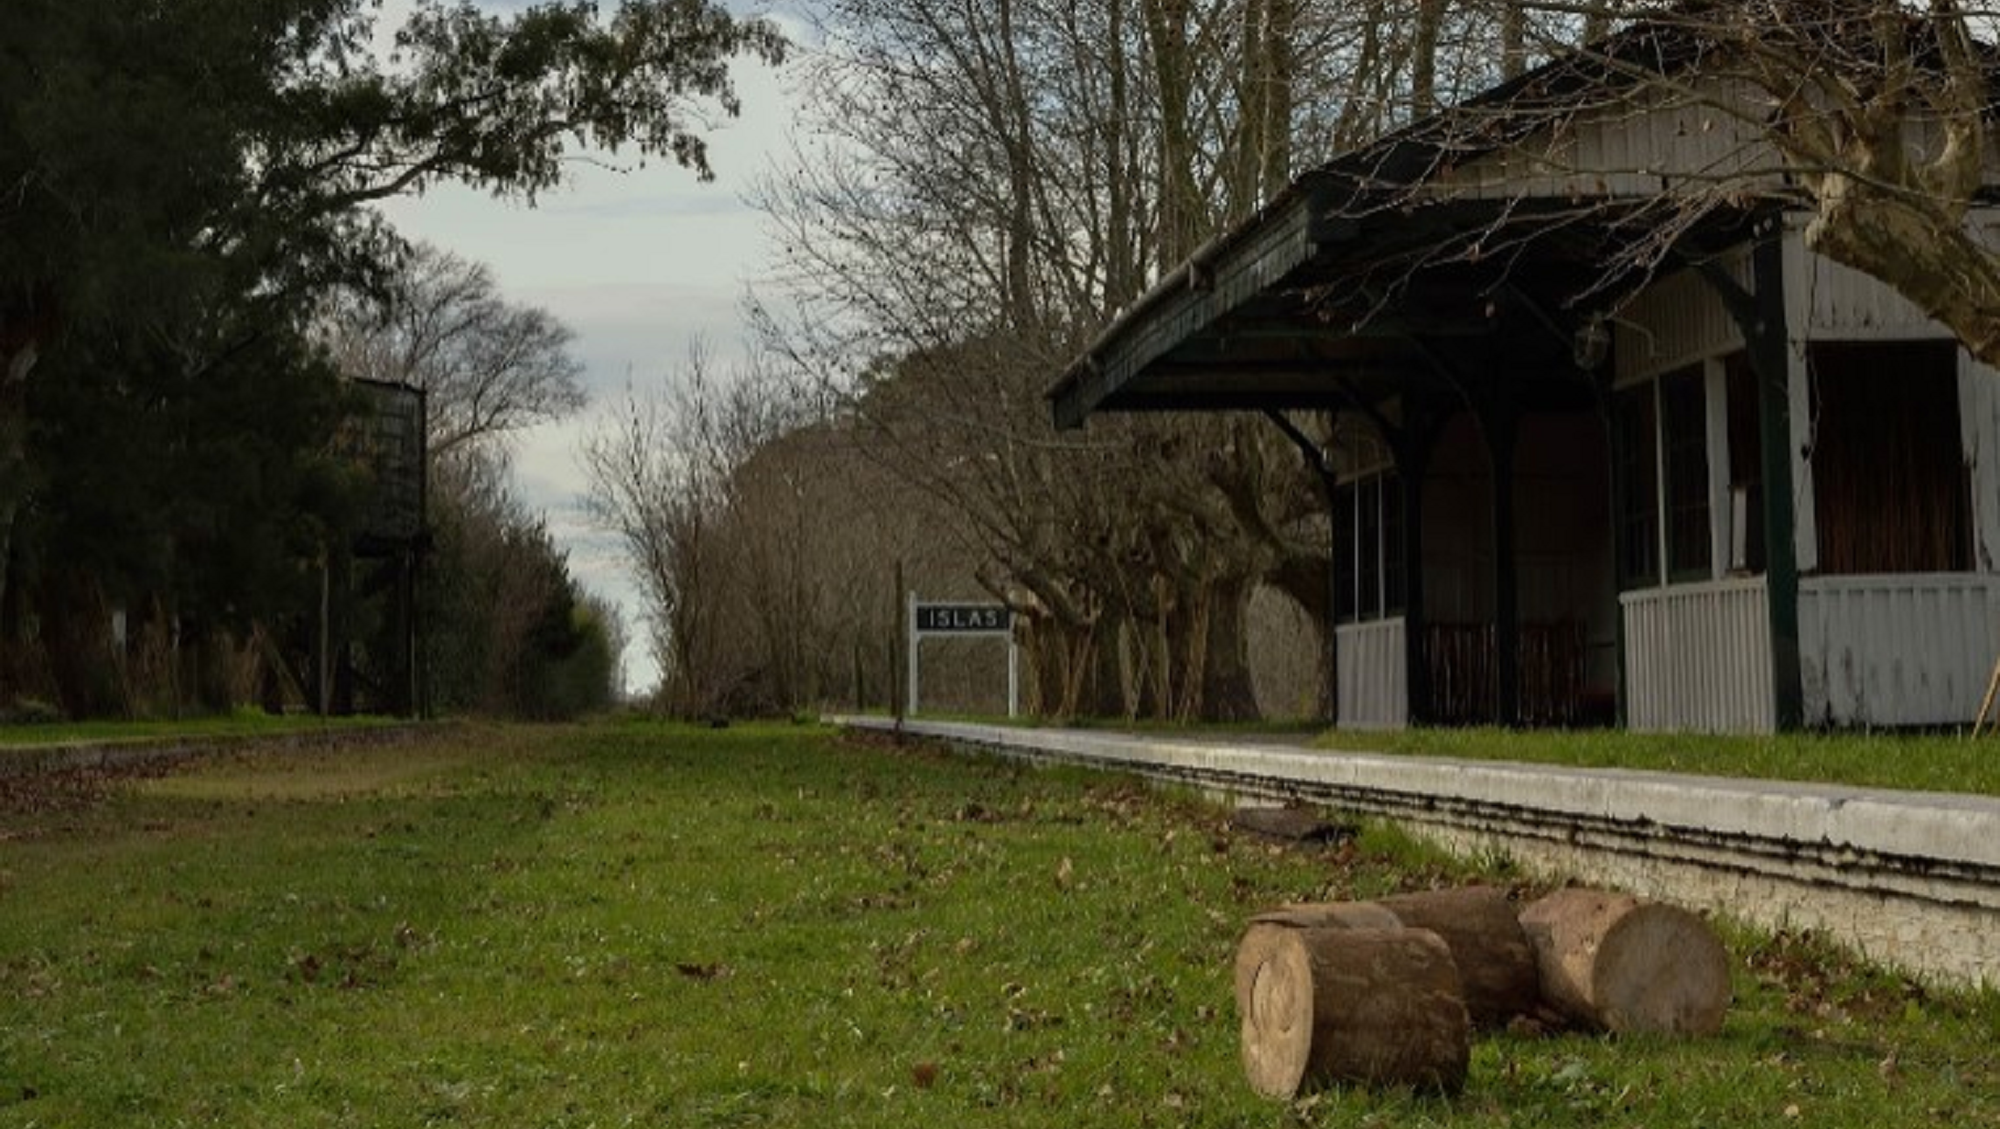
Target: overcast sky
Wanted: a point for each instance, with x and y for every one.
(640, 263)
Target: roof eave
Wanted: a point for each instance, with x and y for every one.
(1225, 273)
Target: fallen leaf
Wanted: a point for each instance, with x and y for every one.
(924, 1074)
(1065, 871)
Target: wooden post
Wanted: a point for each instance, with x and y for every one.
(900, 704)
(325, 628)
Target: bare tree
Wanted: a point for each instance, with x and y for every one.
(663, 468)
(488, 367)
(1005, 179)
(1872, 118)
(1884, 114)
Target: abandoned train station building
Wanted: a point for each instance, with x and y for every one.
(1609, 440)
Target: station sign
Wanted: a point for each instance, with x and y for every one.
(993, 621)
(964, 619)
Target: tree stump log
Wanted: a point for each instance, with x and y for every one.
(1330, 915)
(1376, 1007)
(1613, 962)
(1297, 824)
(1496, 965)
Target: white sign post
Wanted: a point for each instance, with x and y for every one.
(963, 619)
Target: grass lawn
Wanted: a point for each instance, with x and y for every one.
(1925, 762)
(641, 925)
(246, 724)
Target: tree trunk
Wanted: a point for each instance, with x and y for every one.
(1423, 56)
(1615, 963)
(1496, 965)
(14, 369)
(1104, 686)
(1330, 915)
(1182, 210)
(1228, 692)
(1513, 38)
(1920, 249)
(1280, 76)
(75, 628)
(1377, 1007)
(1597, 24)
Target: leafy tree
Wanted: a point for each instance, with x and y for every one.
(508, 631)
(181, 183)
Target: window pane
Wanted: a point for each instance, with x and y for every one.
(1638, 513)
(1392, 542)
(1684, 424)
(1368, 556)
(1890, 487)
(1746, 464)
(1344, 543)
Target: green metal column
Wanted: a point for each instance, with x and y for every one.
(1421, 425)
(1501, 426)
(1770, 359)
(1614, 474)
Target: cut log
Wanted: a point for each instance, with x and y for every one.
(1330, 915)
(1294, 824)
(1616, 963)
(1496, 965)
(1376, 1007)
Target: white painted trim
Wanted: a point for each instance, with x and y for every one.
(1715, 375)
(1979, 440)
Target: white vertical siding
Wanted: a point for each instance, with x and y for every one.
(1805, 517)
(1829, 301)
(1677, 321)
(1897, 650)
(1698, 657)
(1374, 678)
(1637, 146)
(1979, 437)
(1720, 504)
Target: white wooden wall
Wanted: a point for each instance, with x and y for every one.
(1897, 650)
(1704, 138)
(1698, 657)
(1374, 680)
(1632, 146)
(1838, 303)
(1678, 321)
(1887, 650)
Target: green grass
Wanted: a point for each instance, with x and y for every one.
(638, 924)
(251, 723)
(1929, 762)
(1277, 727)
